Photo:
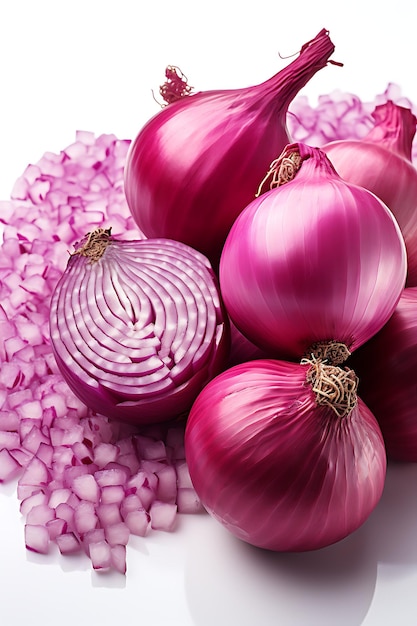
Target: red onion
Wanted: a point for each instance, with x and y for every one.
(386, 366)
(278, 467)
(137, 326)
(314, 259)
(381, 162)
(197, 163)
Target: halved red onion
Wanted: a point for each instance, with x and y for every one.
(137, 328)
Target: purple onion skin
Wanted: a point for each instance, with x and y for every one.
(386, 366)
(315, 259)
(277, 470)
(197, 163)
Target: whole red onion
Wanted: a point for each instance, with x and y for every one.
(137, 327)
(197, 163)
(386, 366)
(314, 259)
(381, 162)
(278, 468)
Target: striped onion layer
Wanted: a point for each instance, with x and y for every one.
(139, 331)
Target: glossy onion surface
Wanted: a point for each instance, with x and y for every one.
(198, 162)
(386, 366)
(277, 470)
(314, 259)
(138, 333)
(381, 162)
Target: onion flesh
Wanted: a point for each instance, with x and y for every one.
(139, 331)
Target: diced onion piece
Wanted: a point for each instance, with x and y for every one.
(137, 521)
(68, 543)
(100, 554)
(9, 467)
(37, 538)
(188, 501)
(163, 515)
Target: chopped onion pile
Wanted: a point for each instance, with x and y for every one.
(84, 482)
(339, 115)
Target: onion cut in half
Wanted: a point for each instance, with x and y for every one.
(137, 327)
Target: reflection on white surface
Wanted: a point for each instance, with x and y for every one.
(310, 588)
(200, 575)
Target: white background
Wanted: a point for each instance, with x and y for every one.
(91, 65)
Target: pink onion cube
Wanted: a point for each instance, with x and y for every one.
(109, 514)
(138, 522)
(58, 496)
(37, 538)
(118, 558)
(9, 467)
(68, 543)
(112, 476)
(167, 484)
(85, 517)
(183, 474)
(105, 453)
(34, 499)
(100, 555)
(188, 501)
(40, 514)
(56, 526)
(117, 533)
(111, 494)
(163, 515)
(86, 488)
(9, 439)
(36, 473)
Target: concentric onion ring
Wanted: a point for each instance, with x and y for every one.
(139, 331)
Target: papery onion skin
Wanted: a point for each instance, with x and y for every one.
(315, 259)
(276, 469)
(138, 333)
(197, 163)
(386, 366)
(381, 162)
